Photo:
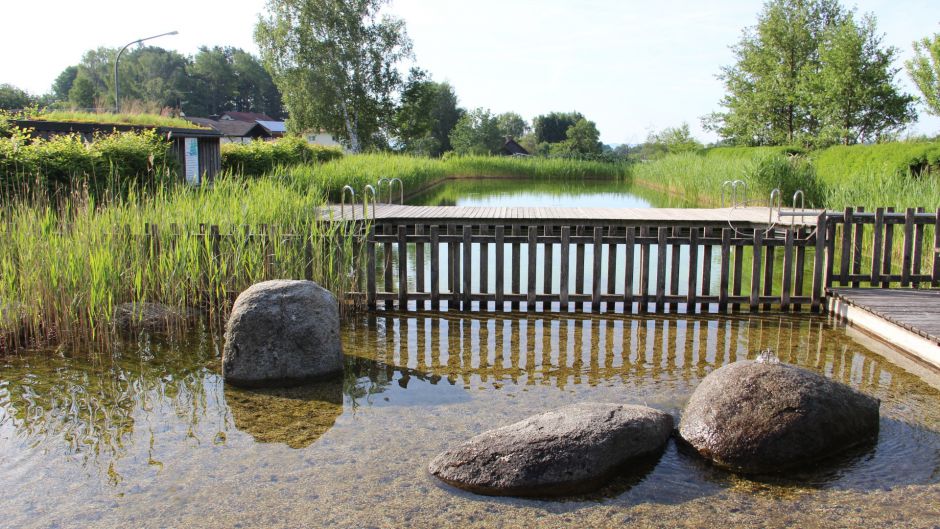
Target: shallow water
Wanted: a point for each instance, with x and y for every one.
(151, 437)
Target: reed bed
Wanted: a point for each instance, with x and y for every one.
(65, 267)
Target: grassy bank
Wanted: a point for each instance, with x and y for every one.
(64, 268)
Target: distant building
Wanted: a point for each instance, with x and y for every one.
(249, 117)
(324, 139)
(234, 131)
(512, 148)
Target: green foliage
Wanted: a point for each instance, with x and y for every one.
(809, 73)
(112, 163)
(674, 140)
(426, 116)
(924, 69)
(905, 159)
(336, 62)
(12, 98)
(582, 139)
(512, 125)
(107, 118)
(477, 132)
(229, 79)
(260, 157)
(553, 127)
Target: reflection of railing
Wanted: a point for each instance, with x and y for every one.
(674, 267)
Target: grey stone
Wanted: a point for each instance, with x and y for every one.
(566, 451)
(282, 333)
(150, 317)
(766, 416)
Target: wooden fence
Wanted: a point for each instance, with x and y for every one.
(642, 268)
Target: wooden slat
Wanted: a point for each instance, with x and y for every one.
(908, 247)
(596, 275)
(847, 226)
(755, 269)
(661, 268)
(628, 269)
(500, 268)
(936, 250)
(888, 252)
(785, 284)
(674, 265)
(611, 262)
(387, 229)
(532, 254)
(877, 246)
(725, 269)
(693, 270)
(419, 262)
(857, 248)
(516, 259)
(565, 250)
(918, 257)
(706, 267)
(370, 267)
(484, 264)
(644, 270)
(453, 268)
(467, 267)
(738, 273)
(800, 266)
(435, 268)
(548, 261)
(402, 268)
(769, 273)
(579, 264)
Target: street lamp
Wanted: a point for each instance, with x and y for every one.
(117, 94)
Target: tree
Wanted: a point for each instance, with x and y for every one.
(797, 49)
(924, 70)
(477, 132)
(855, 96)
(13, 98)
(63, 83)
(512, 125)
(82, 93)
(335, 62)
(673, 140)
(553, 127)
(226, 78)
(426, 116)
(582, 138)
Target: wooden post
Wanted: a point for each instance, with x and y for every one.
(674, 264)
(725, 269)
(738, 274)
(453, 257)
(611, 261)
(908, 247)
(800, 265)
(857, 249)
(787, 271)
(419, 262)
(819, 262)
(484, 265)
(402, 267)
(706, 267)
(644, 270)
(660, 268)
(628, 270)
(532, 248)
(847, 226)
(693, 270)
(500, 267)
(877, 246)
(467, 266)
(435, 268)
(564, 272)
(936, 250)
(370, 268)
(548, 263)
(888, 251)
(755, 270)
(516, 262)
(918, 258)
(387, 265)
(596, 276)
(769, 272)
(579, 263)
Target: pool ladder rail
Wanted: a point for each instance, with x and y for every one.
(370, 191)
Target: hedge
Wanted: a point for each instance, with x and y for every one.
(260, 157)
(840, 163)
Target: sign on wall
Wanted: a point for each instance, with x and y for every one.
(191, 160)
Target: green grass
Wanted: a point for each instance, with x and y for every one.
(147, 120)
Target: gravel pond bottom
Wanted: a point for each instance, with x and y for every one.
(149, 436)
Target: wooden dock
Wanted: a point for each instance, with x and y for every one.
(906, 318)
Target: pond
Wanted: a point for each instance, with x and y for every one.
(149, 436)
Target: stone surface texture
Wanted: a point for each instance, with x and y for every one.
(566, 451)
(281, 333)
(765, 417)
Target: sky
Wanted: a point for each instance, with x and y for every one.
(631, 66)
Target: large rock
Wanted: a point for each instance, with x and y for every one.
(763, 416)
(570, 450)
(282, 333)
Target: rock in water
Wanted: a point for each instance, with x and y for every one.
(282, 333)
(760, 417)
(570, 450)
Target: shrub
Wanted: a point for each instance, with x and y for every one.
(788, 173)
(841, 163)
(260, 157)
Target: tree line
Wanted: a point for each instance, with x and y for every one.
(214, 80)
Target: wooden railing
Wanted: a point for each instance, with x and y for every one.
(486, 266)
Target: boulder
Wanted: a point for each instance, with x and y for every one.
(149, 317)
(763, 416)
(282, 333)
(566, 451)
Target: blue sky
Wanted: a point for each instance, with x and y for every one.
(631, 66)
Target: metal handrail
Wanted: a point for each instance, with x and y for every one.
(724, 184)
(365, 201)
(775, 192)
(734, 193)
(352, 203)
(798, 193)
(378, 187)
(401, 190)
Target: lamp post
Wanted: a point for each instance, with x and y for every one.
(117, 92)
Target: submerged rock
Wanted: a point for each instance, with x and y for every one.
(150, 317)
(282, 332)
(566, 451)
(295, 416)
(764, 416)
